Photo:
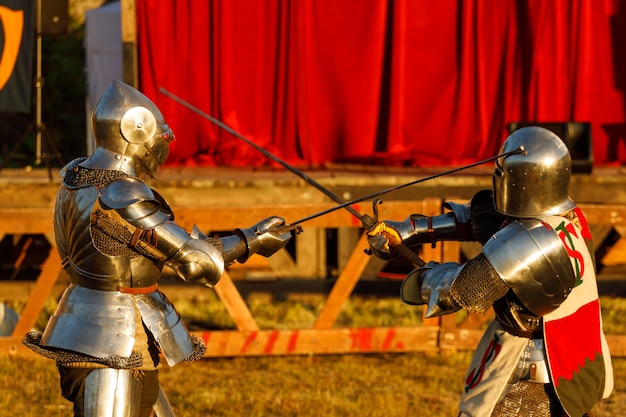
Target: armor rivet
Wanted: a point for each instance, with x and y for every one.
(118, 157)
(139, 125)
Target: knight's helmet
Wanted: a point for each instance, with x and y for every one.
(130, 132)
(535, 182)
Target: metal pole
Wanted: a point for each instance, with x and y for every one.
(38, 86)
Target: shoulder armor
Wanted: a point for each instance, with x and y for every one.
(532, 261)
(136, 203)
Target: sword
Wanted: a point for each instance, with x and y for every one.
(162, 407)
(365, 219)
(398, 187)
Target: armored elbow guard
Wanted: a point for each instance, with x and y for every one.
(531, 259)
(198, 260)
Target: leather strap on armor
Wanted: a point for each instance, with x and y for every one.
(138, 290)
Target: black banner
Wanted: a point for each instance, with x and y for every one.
(17, 37)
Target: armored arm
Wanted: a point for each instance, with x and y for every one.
(130, 218)
(134, 216)
(258, 239)
(526, 257)
(475, 221)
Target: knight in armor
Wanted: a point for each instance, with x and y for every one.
(114, 235)
(545, 353)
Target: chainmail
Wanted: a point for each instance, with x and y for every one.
(113, 239)
(199, 349)
(109, 236)
(32, 340)
(77, 176)
(478, 285)
(529, 399)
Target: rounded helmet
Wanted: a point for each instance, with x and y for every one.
(535, 182)
(130, 132)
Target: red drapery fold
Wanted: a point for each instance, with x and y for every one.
(404, 82)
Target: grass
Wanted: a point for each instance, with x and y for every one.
(373, 385)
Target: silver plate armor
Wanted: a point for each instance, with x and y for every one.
(114, 241)
(532, 366)
(534, 183)
(130, 132)
(530, 258)
(112, 393)
(165, 324)
(95, 323)
(430, 285)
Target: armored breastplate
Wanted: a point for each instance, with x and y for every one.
(86, 265)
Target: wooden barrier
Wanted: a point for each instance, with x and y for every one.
(435, 334)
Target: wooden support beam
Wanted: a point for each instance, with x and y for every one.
(41, 292)
(234, 304)
(248, 339)
(319, 341)
(344, 285)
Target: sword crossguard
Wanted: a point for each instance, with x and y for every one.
(296, 228)
(368, 221)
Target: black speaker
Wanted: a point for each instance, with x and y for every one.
(54, 17)
(575, 135)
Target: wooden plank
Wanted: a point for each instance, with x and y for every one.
(41, 292)
(248, 339)
(327, 341)
(38, 220)
(221, 218)
(616, 255)
(319, 341)
(611, 214)
(311, 253)
(26, 221)
(344, 285)
(234, 303)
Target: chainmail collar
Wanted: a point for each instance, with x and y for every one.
(77, 176)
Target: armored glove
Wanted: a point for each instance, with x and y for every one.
(382, 237)
(431, 285)
(411, 289)
(261, 238)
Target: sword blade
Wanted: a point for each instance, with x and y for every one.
(398, 187)
(365, 220)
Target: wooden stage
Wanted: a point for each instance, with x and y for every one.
(330, 249)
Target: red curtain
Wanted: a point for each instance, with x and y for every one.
(396, 82)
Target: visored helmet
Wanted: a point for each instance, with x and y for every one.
(533, 183)
(130, 132)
